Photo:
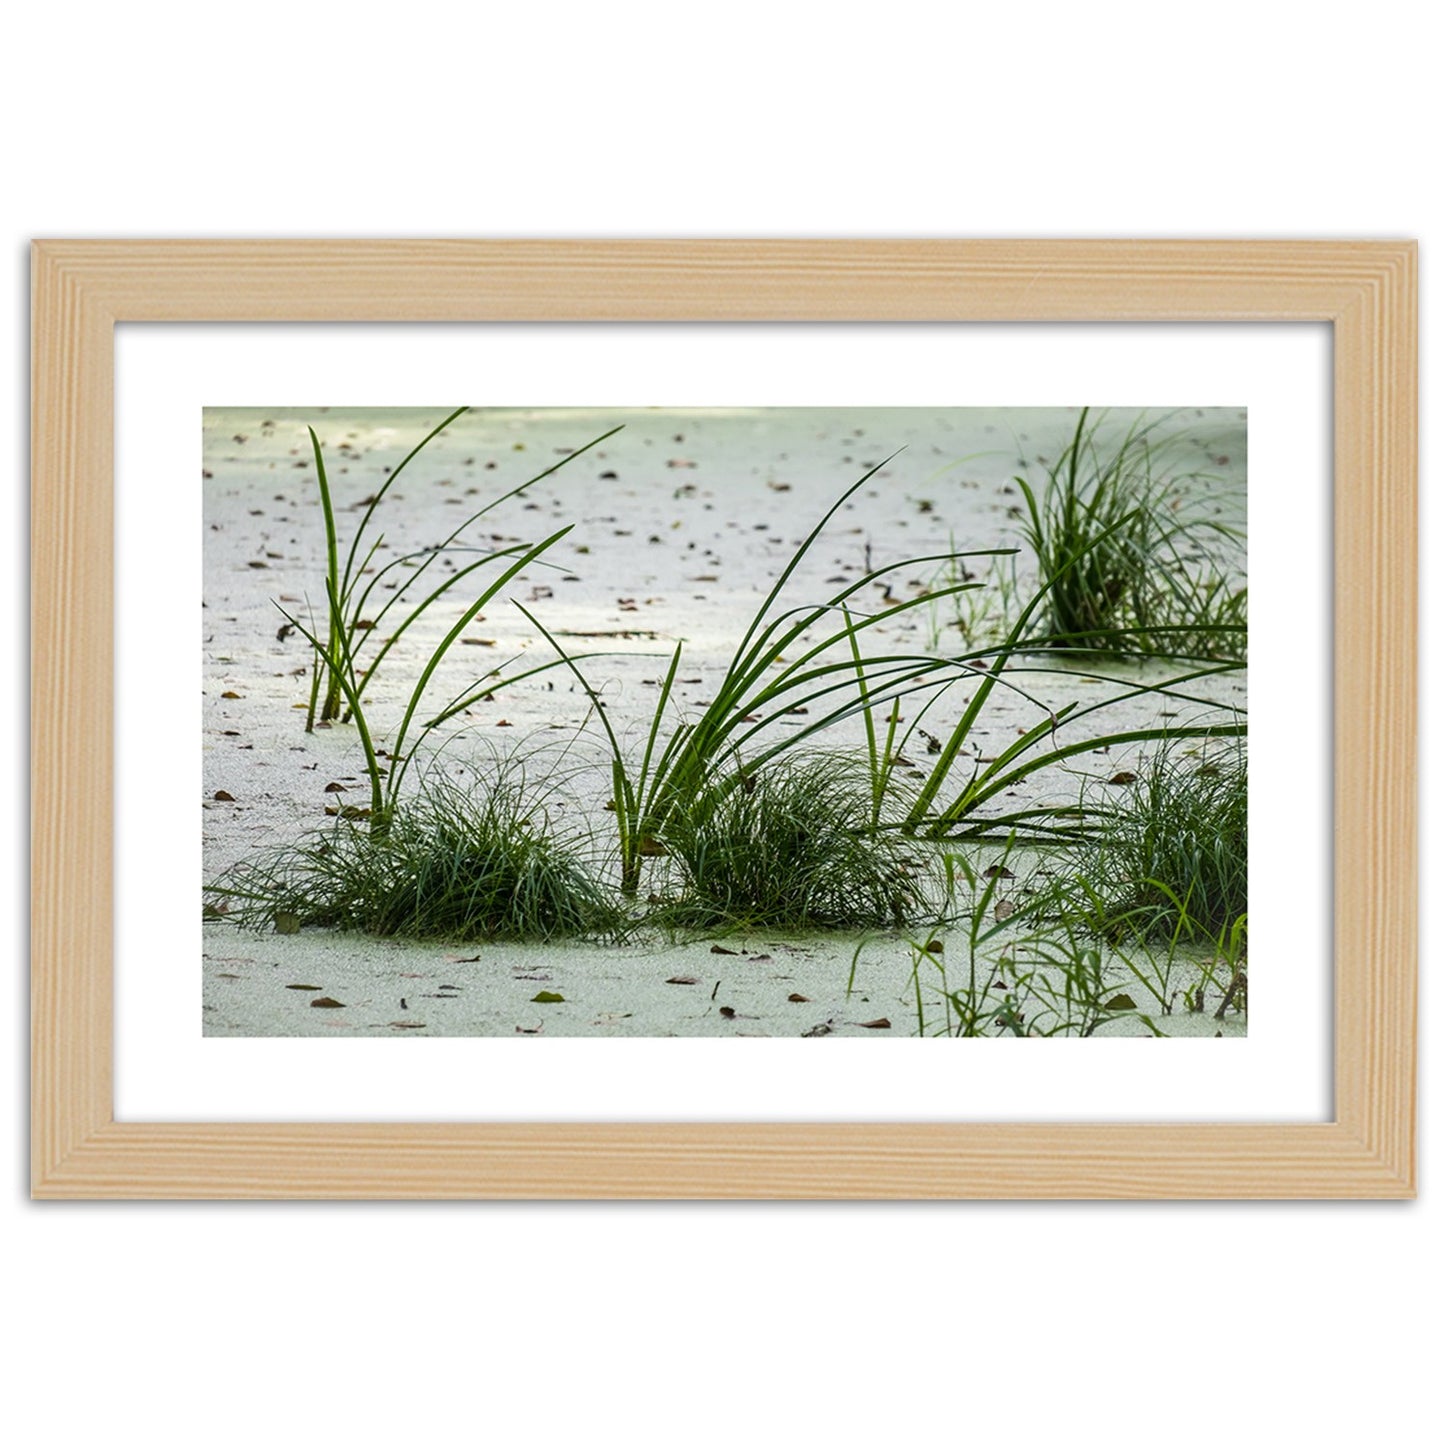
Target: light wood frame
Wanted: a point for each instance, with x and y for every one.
(1366, 290)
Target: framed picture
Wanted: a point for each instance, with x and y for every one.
(569, 319)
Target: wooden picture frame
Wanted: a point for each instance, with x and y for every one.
(1365, 290)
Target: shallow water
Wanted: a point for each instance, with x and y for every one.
(680, 525)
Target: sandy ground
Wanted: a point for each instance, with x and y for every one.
(680, 523)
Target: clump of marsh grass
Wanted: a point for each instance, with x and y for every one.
(350, 587)
(687, 765)
(793, 846)
(347, 652)
(1140, 566)
(470, 861)
(1171, 857)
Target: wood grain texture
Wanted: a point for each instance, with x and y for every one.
(1367, 290)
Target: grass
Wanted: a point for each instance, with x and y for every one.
(1171, 861)
(342, 659)
(1014, 980)
(1140, 566)
(465, 861)
(781, 667)
(793, 847)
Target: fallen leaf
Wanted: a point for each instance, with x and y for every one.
(876, 1024)
(326, 1003)
(522, 1030)
(1004, 909)
(546, 997)
(798, 998)
(718, 948)
(997, 870)
(681, 978)
(335, 788)
(1120, 1002)
(934, 945)
(222, 796)
(1120, 779)
(728, 1013)
(236, 695)
(305, 987)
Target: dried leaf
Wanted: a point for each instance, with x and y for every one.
(547, 997)
(876, 1024)
(326, 1003)
(1120, 779)
(934, 945)
(222, 796)
(1004, 909)
(727, 1012)
(799, 998)
(718, 948)
(681, 978)
(236, 695)
(336, 788)
(997, 870)
(1120, 1002)
(305, 987)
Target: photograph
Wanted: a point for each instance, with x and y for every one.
(893, 722)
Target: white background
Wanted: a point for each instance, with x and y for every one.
(540, 1322)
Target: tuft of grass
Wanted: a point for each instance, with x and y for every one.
(825, 673)
(1171, 860)
(1140, 566)
(468, 862)
(793, 846)
(344, 660)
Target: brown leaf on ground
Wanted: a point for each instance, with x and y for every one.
(1120, 779)
(681, 978)
(799, 998)
(326, 1003)
(876, 1024)
(222, 796)
(718, 948)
